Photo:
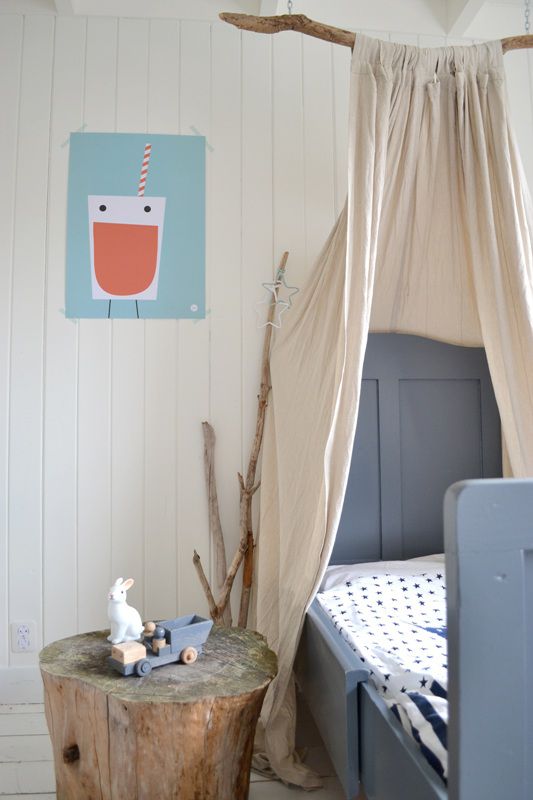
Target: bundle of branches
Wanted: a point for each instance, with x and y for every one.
(219, 609)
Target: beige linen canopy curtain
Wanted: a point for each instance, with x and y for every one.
(435, 240)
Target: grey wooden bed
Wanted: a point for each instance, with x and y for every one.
(428, 419)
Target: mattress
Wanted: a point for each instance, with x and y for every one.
(393, 615)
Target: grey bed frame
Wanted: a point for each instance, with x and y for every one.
(487, 533)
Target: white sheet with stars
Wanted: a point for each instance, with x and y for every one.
(397, 626)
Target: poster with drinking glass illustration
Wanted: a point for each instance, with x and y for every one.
(136, 226)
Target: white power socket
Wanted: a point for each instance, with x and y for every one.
(23, 637)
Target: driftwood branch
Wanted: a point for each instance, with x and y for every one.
(247, 579)
(240, 552)
(213, 609)
(517, 42)
(290, 22)
(215, 526)
(302, 24)
(248, 487)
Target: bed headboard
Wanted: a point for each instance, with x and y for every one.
(427, 418)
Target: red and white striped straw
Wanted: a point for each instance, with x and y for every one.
(144, 169)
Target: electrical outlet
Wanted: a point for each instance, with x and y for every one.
(23, 637)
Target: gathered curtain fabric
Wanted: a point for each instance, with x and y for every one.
(434, 240)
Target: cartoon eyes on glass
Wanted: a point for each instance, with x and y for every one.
(146, 208)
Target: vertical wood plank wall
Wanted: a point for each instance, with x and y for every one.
(101, 456)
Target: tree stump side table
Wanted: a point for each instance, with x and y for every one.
(181, 732)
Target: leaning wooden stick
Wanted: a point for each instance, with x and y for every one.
(249, 486)
(211, 602)
(302, 24)
(215, 526)
(247, 489)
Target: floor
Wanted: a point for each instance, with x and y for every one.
(26, 769)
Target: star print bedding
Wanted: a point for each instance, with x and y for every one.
(395, 620)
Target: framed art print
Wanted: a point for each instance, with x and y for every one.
(136, 226)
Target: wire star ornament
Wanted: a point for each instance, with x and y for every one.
(273, 300)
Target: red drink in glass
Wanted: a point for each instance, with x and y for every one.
(125, 238)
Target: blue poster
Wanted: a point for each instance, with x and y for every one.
(136, 226)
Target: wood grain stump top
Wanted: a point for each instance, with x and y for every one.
(180, 732)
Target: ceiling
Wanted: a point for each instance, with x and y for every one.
(178, 9)
(454, 16)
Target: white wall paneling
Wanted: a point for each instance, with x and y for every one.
(101, 450)
(194, 338)
(225, 272)
(431, 41)
(161, 368)
(61, 348)
(11, 33)
(94, 487)
(128, 356)
(258, 257)
(288, 153)
(408, 16)
(25, 495)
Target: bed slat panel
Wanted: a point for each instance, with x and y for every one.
(440, 443)
(428, 418)
(391, 761)
(328, 673)
(489, 575)
(362, 501)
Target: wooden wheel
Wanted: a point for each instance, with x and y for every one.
(189, 655)
(143, 667)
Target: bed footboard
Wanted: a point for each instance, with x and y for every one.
(489, 570)
(328, 673)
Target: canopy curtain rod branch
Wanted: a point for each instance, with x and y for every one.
(302, 24)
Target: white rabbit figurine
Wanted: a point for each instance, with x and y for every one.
(126, 623)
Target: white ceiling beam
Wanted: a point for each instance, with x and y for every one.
(270, 8)
(461, 14)
(161, 9)
(65, 6)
